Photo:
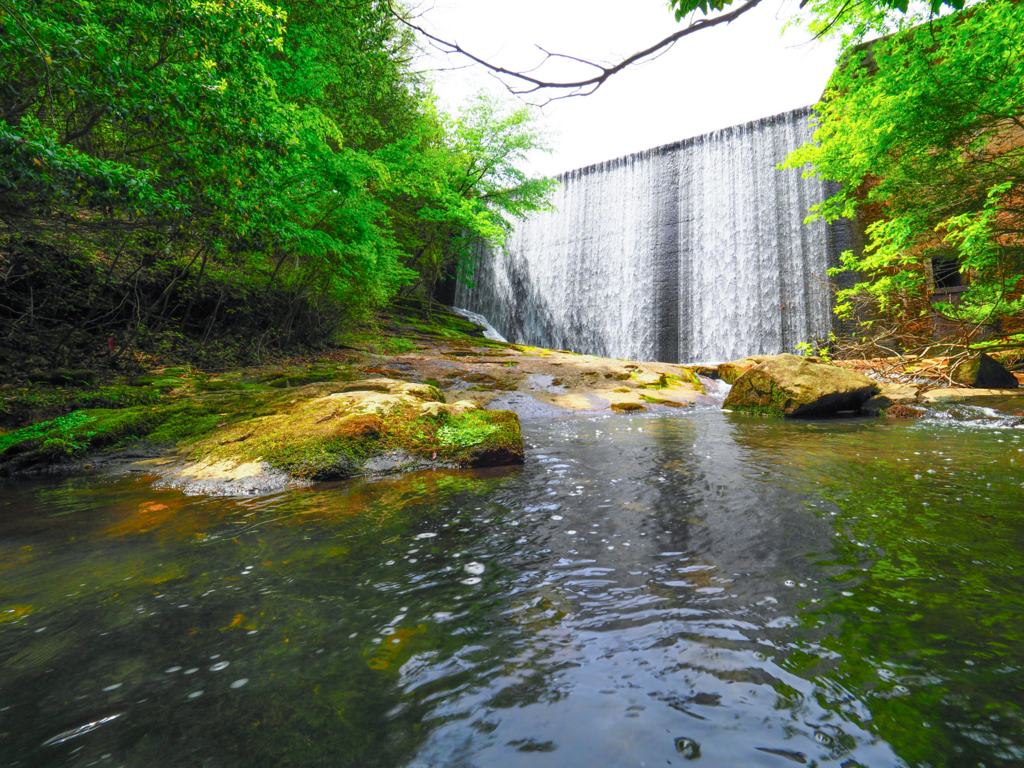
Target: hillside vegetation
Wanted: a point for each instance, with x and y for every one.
(210, 179)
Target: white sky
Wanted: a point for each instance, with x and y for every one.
(712, 79)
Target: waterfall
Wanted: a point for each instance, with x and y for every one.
(694, 251)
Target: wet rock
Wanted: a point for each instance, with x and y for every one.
(982, 372)
(627, 407)
(890, 395)
(798, 387)
(903, 411)
(956, 395)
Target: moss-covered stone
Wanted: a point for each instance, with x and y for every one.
(663, 401)
(651, 380)
(982, 372)
(73, 436)
(788, 385)
(627, 407)
(729, 372)
(367, 426)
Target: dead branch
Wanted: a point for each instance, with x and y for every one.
(524, 82)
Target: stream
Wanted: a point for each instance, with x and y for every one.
(695, 588)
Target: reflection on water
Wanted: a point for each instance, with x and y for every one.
(645, 591)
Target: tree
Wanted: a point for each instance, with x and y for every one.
(459, 182)
(923, 129)
(230, 162)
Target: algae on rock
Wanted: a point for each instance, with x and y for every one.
(332, 431)
(788, 385)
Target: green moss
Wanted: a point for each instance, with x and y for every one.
(31, 403)
(452, 436)
(772, 402)
(661, 401)
(627, 407)
(161, 380)
(59, 426)
(74, 435)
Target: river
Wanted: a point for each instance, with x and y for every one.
(663, 589)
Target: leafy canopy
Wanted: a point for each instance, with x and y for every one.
(923, 129)
(683, 8)
(261, 145)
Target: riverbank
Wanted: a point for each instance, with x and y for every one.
(420, 388)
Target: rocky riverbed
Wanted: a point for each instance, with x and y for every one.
(418, 390)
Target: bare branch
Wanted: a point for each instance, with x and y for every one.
(525, 82)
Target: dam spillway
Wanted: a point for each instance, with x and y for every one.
(693, 251)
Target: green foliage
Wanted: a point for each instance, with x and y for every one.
(815, 348)
(457, 182)
(199, 161)
(923, 129)
(826, 12)
(58, 428)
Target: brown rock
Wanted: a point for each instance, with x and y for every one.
(982, 372)
(787, 385)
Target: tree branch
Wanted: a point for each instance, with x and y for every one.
(524, 82)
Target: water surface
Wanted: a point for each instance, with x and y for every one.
(646, 591)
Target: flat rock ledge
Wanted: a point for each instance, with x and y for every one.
(339, 430)
(798, 387)
(266, 438)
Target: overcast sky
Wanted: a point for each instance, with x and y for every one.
(712, 79)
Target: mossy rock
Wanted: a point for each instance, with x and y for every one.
(627, 407)
(729, 372)
(378, 425)
(788, 385)
(71, 437)
(651, 380)
(320, 431)
(160, 381)
(983, 372)
(662, 401)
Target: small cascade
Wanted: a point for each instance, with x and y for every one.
(490, 332)
(691, 252)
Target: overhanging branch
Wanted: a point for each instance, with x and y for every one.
(524, 82)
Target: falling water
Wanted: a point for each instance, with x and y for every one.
(694, 251)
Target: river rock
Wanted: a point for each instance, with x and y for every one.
(651, 380)
(982, 372)
(327, 430)
(949, 395)
(369, 426)
(890, 395)
(788, 385)
(729, 372)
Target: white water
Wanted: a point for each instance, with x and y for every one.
(694, 251)
(490, 332)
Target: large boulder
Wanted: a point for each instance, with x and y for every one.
(729, 372)
(982, 372)
(370, 426)
(787, 385)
